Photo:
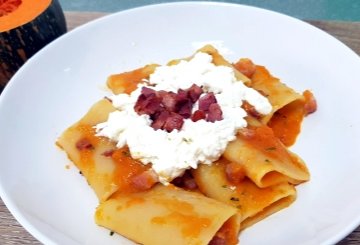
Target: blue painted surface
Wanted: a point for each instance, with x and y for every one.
(345, 10)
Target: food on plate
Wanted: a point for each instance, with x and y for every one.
(191, 152)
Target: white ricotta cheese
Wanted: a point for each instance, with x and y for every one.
(196, 143)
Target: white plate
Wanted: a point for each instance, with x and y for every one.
(59, 84)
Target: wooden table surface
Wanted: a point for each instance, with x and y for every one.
(11, 232)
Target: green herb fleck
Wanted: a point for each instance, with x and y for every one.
(187, 140)
(111, 233)
(267, 160)
(273, 148)
(224, 186)
(125, 153)
(235, 199)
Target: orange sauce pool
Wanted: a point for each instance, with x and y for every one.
(286, 122)
(229, 232)
(134, 201)
(127, 82)
(263, 139)
(125, 168)
(252, 196)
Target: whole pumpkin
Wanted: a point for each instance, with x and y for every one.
(25, 27)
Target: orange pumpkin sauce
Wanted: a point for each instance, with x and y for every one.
(262, 76)
(253, 197)
(133, 201)
(310, 104)
(286, 122)
(125, 166)
(245, 66)
(228, 232)
(127, 82)
(263, 139)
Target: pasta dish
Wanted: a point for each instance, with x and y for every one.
(191, 152)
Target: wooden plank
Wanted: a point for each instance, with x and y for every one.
(346, 32)
(11, 232)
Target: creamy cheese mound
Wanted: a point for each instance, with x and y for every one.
(171, 153)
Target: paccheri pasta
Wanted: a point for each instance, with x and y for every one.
(191, 152)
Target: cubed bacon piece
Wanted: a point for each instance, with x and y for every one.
(186, 181)
(246, 67)
(147, 104)
(161, 93)
(214, 113)
(190, 183)
(145, 180)
(167, 110)
(147, 91)
(206, 101)
(184, 108)
(174, 121)
(182, 99)
(108, 153)
(198, 115)
(235, 172)
(84, 144)
(194, 93)
(181, 95)
(310, 105)
(169, 100)
(160, 119)
(140, 104)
